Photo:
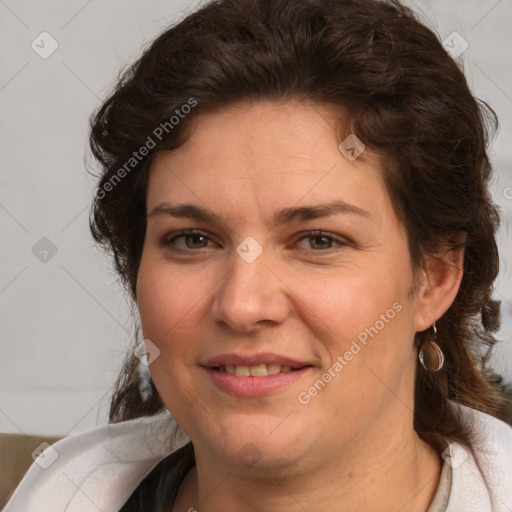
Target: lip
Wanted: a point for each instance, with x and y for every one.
(254, 386)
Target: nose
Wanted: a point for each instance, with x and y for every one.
(250, 295)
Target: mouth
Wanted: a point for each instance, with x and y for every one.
(258, 375)
(258, 370)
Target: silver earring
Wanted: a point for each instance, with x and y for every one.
(431, 356)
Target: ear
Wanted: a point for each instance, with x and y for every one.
(439, 283)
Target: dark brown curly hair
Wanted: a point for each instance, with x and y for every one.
(406, 99)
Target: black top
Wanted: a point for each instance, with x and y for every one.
(158, 491)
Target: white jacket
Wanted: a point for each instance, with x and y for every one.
(99, 469)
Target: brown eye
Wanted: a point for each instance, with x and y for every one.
(195, 241)
(319, 241)
(187, 240)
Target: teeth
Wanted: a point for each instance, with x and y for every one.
(259, 370)
(273, 369)
(242, 371)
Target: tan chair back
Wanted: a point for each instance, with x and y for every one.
(15, 459)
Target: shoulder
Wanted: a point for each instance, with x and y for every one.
(101, 466)
(482, 474)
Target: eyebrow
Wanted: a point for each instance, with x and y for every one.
(284, 216)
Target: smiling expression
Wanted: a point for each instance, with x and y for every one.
(267, 254)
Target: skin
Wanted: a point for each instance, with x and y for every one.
(353, 446)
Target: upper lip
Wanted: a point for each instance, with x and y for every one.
(253, 360)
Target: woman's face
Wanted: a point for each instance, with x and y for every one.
(292, 256)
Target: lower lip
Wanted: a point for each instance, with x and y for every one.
(254, 386)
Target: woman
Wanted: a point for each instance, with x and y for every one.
(295, 194)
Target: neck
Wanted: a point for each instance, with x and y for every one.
(401, 473)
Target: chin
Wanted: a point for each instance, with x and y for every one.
(258, 443)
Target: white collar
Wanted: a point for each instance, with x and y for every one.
(98, 468)
(102, 467)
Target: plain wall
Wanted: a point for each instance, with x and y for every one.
(65, 323)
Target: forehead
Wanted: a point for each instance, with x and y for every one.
(264, 155)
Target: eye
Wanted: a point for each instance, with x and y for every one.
(320, 241)
(186, 240)
(317, 241)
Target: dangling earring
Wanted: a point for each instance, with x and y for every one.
(431, 356)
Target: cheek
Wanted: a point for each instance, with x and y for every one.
(368, 340)
(172, 305)
(351, 300)
(153, 298)
(167, 297)
(364, 316)
(167, 302)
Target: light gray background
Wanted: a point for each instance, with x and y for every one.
(65, 323)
